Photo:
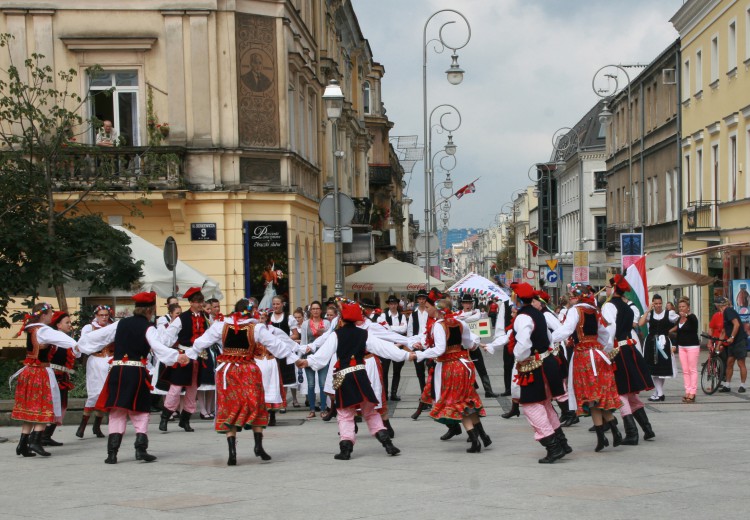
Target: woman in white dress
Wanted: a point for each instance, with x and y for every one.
(97, 368)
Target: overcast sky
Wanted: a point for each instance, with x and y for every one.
(529, 66)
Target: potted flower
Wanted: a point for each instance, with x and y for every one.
(164, 129)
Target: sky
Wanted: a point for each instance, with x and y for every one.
(529, 67)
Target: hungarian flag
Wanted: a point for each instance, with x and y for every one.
(469, 188)
(636, 277)
(534, 246)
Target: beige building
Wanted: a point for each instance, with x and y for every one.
(715, 95)
(227, 95)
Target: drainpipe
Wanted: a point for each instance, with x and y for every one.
(678, 141)
(643, 172)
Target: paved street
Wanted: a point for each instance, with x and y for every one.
(696, 468)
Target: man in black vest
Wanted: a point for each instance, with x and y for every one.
(126, 392)
(183, 331)
(416, 326)
(538, 375)
(397, 323)
(469, 314)
(631, 372)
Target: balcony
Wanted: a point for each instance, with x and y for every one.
(613, 235)
(380, 175)
(122, 168)
(405, 256)
(702, 216)
(363, 207)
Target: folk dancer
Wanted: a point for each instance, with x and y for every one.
(281, 319)
(631, 372)
(591, 381)
(127, 394)
(182, 332)
(538, 375)
(61, 361)
(240, 399)
(97, 368)
(657, 349)
(417, 326)
(456, 399)
(504, 338)
(396, 322)
(351, 382)
(467, 315)
(37, 397)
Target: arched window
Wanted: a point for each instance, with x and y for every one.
(367, 95)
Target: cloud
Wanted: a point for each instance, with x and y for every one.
(529, 66)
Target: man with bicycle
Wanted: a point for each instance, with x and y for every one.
(735, 339)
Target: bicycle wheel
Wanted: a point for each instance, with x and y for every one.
(711, 375)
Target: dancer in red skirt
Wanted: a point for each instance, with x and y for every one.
(594, 392)
(456, 400)
(127, 391)
(37, 398)
(62, 361)
(240, 400)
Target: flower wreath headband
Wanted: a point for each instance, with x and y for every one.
(46, 307)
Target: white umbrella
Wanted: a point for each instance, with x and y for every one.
(390, 276)
(666, 276)
(473, 283)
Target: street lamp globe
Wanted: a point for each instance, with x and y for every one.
(455, 72)
(605, 116)
(450, 147)
(333, 98)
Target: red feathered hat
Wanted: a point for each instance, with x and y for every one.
(145, 299)
(434, 296)
(57, 316)
(192, 292)
(620, 284)
(351, 312)
(542, 295)
(524, 291)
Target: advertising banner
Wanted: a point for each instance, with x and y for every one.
(266, 261)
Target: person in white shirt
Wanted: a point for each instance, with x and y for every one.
(417, 326)
(396, 322)
(469, 315)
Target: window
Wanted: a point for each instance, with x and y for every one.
(367, 91)
(733, 167)
(747, 34)
(600, 181)
(649, 197)
(292, 118)
(732, 47)
(686, 178)
(715, 172)
(636, 204)
(686, 80)
(714, 59)
(120, 106)
(699, 174)
(600, 224)
(698, 72)
(669, 197)
(311, 130)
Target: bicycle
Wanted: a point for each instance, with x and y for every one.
(712, 373)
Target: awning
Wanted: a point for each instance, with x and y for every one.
(668, 276)
(390, 276)
(475, 284)
(721, 248)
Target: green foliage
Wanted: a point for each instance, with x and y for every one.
(46, 242)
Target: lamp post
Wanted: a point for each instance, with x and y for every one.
(454, 75)
(333, 99)
(605, 118)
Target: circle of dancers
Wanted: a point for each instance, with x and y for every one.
(589, 362)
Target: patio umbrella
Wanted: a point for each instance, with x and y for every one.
(475, 284)
(668, 276)
(390, 276)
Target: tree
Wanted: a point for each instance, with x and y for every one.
(46, 241)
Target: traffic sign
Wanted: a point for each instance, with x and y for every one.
(346, 210)
(170, 253)
(552, 276)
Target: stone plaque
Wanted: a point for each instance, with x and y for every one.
(260, 171)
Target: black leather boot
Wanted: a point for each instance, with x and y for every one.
(476, 446)
(185, 421)
(259, 451)
(488, 387)
(601, 440)
(47, 439)
(605, 426)
(271, 418)
(164, 421)
(563, 441)
(23, 446)
(631, 431)
(420, 407)
(616, 435)
(113, 445)
(232, 443)
(385, 440)
(514, 411)
(141, 445)
(453, 430)
(346, 448)
(482, 435)
(643, 422)
(97, 429)
(554, 449)
(389, 428)
(35, 444)
(82, 427)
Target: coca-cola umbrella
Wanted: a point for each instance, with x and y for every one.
(390, 276)
(478, 285)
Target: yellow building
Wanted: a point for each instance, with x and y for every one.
(247, 141)
(715, 92)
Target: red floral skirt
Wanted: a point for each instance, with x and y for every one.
(458, 398)
(242, 403)
(426, 396)
(593, 390)
(33, 400)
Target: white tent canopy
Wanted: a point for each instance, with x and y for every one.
(475, 284)
(668, 276)
(390, 276)
(156, 277)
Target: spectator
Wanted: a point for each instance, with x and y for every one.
(107, 135)
(736, 340)
(688, 345)
(492, 312)
(312, 329)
